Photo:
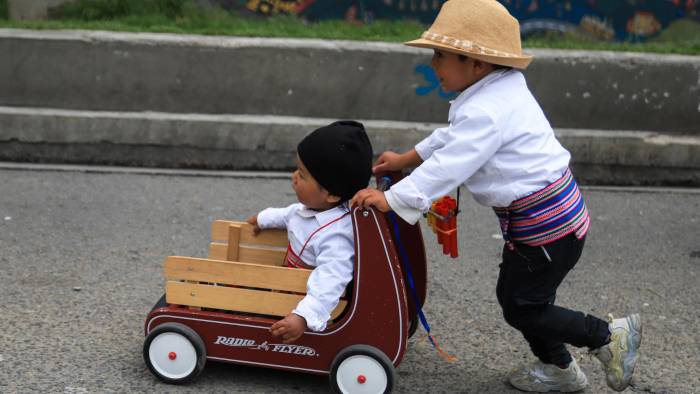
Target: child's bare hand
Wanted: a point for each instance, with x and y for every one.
(289, 329)
(254, 221)
(387, 161)
(392, 161)
(369, 197)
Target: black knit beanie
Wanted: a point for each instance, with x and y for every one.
(339, 157)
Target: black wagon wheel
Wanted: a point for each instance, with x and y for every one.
(174, 353)
(362, 369)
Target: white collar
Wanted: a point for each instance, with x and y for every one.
(323, 217)
(470, 91)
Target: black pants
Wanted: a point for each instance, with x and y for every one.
(527, 285)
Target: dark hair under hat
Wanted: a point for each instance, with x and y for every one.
(339, 157)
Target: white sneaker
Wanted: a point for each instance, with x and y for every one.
(541, 377)
(620, 355)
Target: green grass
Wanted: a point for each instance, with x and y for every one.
(688, 44)
(183, 17)
(218, 22)
(3, 10)
(89, 10)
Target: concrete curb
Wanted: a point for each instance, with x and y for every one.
(248, 142)
(109, 71)
(230, 103)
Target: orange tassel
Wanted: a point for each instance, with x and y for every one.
(446, 356)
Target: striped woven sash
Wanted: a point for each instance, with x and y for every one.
(545, 216)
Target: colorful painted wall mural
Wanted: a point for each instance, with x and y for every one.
(624, 20)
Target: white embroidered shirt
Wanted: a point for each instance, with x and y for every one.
(331, 251)
(498, 143)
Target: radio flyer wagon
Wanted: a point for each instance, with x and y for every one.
(221, 308)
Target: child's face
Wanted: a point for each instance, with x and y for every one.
(457, 74)
(309, 192)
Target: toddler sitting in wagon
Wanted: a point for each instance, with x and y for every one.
(333, 163)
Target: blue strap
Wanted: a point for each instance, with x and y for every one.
(385, 182)
(407, 267)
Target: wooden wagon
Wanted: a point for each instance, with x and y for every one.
(220, 308)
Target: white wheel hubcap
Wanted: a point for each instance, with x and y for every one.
(361, 374)
(172, 355)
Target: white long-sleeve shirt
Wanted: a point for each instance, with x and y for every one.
(498, 143)
(331, 251)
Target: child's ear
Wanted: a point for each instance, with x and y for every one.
(331, 199)
(482, 68)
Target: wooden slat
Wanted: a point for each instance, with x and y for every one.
(261, 256)
(236, 299)
(218, 251)
(234, 237)
(248, 254)
(231, 298)
(235, 273)
(270, 237)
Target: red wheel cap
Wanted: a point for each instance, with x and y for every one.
(361, 379)
(172, 355)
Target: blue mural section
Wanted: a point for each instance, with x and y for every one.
(622, 20)
(432, 83)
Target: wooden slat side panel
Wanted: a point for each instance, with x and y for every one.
(218, 251)
(231, 298)
(236, 299)
(235, 273)
(247, 254)
(270, 237)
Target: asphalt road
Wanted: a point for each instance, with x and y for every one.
(81, 258)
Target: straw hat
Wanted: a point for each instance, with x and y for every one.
(482, 29)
